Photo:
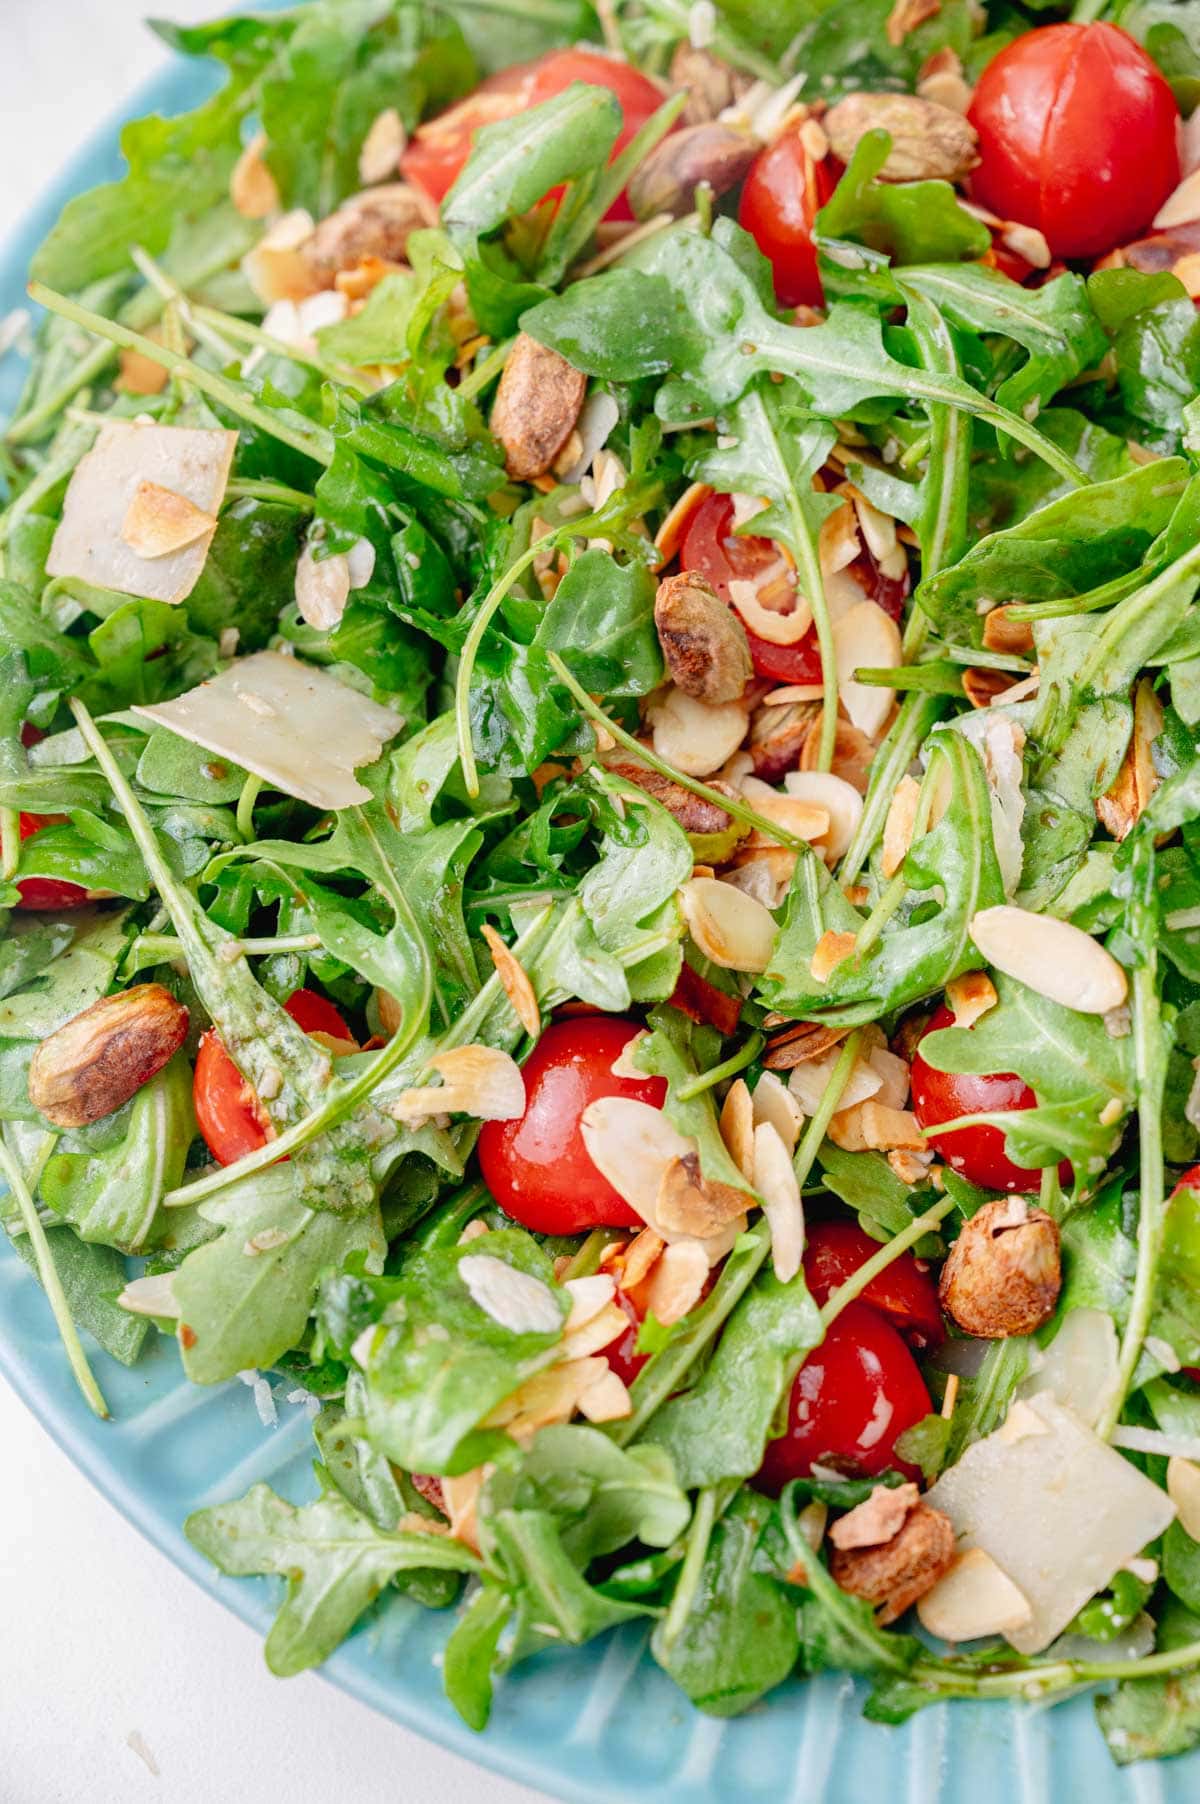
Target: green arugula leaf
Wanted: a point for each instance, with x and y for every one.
(897, 222)
(1146, 1719)
(92, 1278)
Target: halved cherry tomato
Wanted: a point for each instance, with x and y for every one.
(711, 548)
(783, 192)
(538, 1168)
(1078, 136)
(441, 147)
(976, 1153)
(228, 1113)
(622, 1354)
(851, 1399)
(46, 892)
(904, 1292)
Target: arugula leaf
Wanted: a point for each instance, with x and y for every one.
(471, 1653)
(601, 621)
(666, 1051)
(249, 573)
(336, 1561)
(513, 162)
(92, 1277)
(79, 976)
(900, 222)
(1146, 1719)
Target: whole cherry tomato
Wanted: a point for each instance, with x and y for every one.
(440, 148)
(851, 1399)
(228, 1113)
(783, 192)
(622, 1354)
(46, 892)
(904, 1292)
(711, 548)
(976, 1153)
(537, 1167)
(1078, 136)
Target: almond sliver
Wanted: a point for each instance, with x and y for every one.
(159, 521)
(677, 1281)
(974, 1598)
(1055, 959)
(728, 926)
(776, 1181)
(515, 981)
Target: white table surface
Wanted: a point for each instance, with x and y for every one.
(104, 1647)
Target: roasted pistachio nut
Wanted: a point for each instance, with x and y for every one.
(537, 404)
(896, 1573)
(928, 141)
(711, 84)
(712, 153)
(703, 641)
(778, 736)
(1004, 1273)
(376, 223)
(100, 1058)
(694, 814)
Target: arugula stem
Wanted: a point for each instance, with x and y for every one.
(248, 333)
(741, 811)
(897, 889)
(252, 488)
(706, 1080)
(1102, 597)
(812, 584)
(486, 371)
(245, 806)
(699, 1535)
(915, 718)
(1034, 1679)
(314, 441)
(585, 1260)
(52, 1284)
(879, 1262)
(10, 841)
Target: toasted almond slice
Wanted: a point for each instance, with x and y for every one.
(737, 1128)
(885, 1128)
(1054, 958)
(669, 536)
(382, 147)
(831, 950)
(775, 1178)
(159, 521)
(551, 1395)
(731, 928)
(276, 268)
(516, 1300)
(798, 1044)
(688, 1203)
(970, 996)
(981, 687)
(474, 1230)
(588, 1297)
(151, 1296)
(606, 1398)
(865, 638)
(840, 800)
(461, 1497)
(696, 737)
(606, 1326)
(480, 1081)
(853, 753)
(898, 827)
(141, 375)
(641, 1255)
(1181, 206)
(776, 627)
(838, 543)
(252, 188)
(1122, 805)
(803, 818)
(1183, 1488)
(892, 1072)
(792, 692)
(515, 980)
(875, 1520)
(677, 1281)
(1002, 633)
(773, 1102)
(322, 588)
(809, 1081)
(631, 1144)
(975, 1598)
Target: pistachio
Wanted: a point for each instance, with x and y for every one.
(694, 814)
(101, 1057)
(778, 736)
(1003, 1274)
(703, 641)
(536, 407)
(376, 223)
(713, 153)
(895, 1573)
(928, 141)
(711, 84)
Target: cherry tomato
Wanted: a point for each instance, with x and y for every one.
(712, 548)
(538, 1168)
(782, 195)
(851, 1399)
(46, 892)
(1078, 136)
(622, 1354)
(976, 1153)
(228, 1113)
(440, 148)
(904, 1293)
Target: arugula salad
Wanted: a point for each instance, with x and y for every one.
(599, 786)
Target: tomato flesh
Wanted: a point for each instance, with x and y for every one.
(46, 892)
(783, 192)
(904, 1292)
(852, 1398)
(714, 551)
(537, 1167)
(622, 1354)
(229, 1115)
(1078, 136)
(976, 1153)
(440, 148)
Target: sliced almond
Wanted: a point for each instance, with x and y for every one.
(606, 1326)
(1181, 206)
(159, 521)
(730, 928)
(975, 1598)
(865, 638)
(477, 1080)
(550, 1396)
(1004, 634)
(892, 1072)
(640, 1257)
(800, 1043)
(853, 752)
(1122, 805)
(982, 687)
(809, 1081)
(276, 268)
(589, 1296)
(515, 981)
(1183, 1488)
(899, 825)
(322, 588)
(696, 737)
(840, 800)
(737, 1128)
(1054, 958)
(516, 1300)
(669, 536)
(906, 15)
(886, 1128)
(631, 1144)
(151, 1296)
(252, 188)
(677, 1281)
(803, 819)
(970, 996)
(773, 1102)
(877, 1518)
(688, 1203)
(831, 950)
(461, 1497)
(606, 1398)
(775, 1179)
(382, 148)
(776, 626)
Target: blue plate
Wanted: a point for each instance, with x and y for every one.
(600, 1724)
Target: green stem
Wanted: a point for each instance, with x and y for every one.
(488, 608)
(313, 441)
(812, 583)
(245, 807)
(250, 488)
(1105, 596)
(699, 1535)
(10, 841)
(486, 371)
(879, 1262)
(1084, 11)
(951, 1678)
(587, 1256)
(916, 716)
(706, 1080)
(733, 805)
(897, 889)
(246, 332)
(52, 1284)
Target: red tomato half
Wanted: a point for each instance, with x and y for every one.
(851, 1399)
(440, 148)
(538, 1168)
(622, 1354)
(783, 192)
(46, 892)
(1078, 135)
(976, 1153)
(905, 1293)
(228, 1113)
(712, 548)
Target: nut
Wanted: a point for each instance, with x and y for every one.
(100, 1058)
(712, 153)
(376, 223)
(1002, 633)
(536, 407)
(730, 928)
(693, 813)
(690, 1203)
(711, 84)
(928, 141)
(975, 1598)
(1056, 959)
(693, 736)
(897, 1572)
(778, 736)
(1121, 806)
(703, 641)
(1003, 1274)
(798, 1044)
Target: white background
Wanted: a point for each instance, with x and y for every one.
(100, 1637)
